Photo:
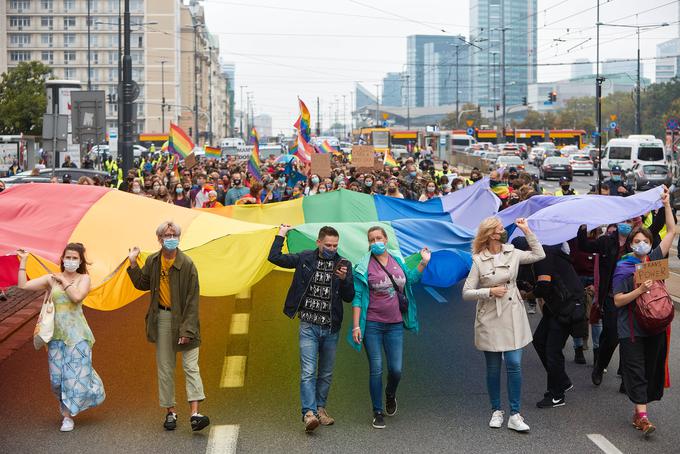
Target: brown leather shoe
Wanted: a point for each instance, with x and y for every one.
(311, 422)
(644, 425)
(324, 418)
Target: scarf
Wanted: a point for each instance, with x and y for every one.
(625, 268)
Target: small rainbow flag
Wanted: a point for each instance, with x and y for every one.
(179, 142)
(327, 148)
(212, 152)
(389, 159)
(304, 122)
(254, 163)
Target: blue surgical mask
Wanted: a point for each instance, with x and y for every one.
(369, 183)
(327, 254)
(315, 180)
(624, 229)
(179, 189)
(170, 243)
(378, 248)
(413, 174)
(642, 248)
(616, 177)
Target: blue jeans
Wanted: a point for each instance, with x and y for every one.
(317, 348)
(379, 336)
(513, 366)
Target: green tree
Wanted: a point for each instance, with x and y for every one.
(473, 113)
(23, 98)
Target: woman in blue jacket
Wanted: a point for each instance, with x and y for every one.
(383, 306)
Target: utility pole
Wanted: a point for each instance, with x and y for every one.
(638, 121)
(89, 67)
(241, 122)
(163, 96)
(119, 89)
(318, 116)
(344, 117)
(408, 102)
(503, 74)
(598, 102)
(210, 99)
(457, 48)
(196, 72)
(126, 135)
(377, 104)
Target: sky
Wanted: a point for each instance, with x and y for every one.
(283, 50)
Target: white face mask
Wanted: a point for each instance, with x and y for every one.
(71, 265)
(641, 248)
(459, 186)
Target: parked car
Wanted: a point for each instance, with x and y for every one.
(648, 176)
(44, 176)
(510, 161)
(490, 158)
(509, 149)
(555, 167)
(581, 163)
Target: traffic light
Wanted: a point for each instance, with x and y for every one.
(498, 107)
(553, 96)
(524, 101)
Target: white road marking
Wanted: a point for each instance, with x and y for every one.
(222, 439)
(435, 294)
(233, 372)
(605, 445)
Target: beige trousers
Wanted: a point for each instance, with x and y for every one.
(165, 363)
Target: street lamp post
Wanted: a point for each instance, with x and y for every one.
(465, 43)
(241, 122)
(163, 95)
(89, 64)
(638, 119)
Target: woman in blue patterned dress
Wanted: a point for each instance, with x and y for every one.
(69, 353)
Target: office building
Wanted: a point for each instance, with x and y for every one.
(229, 73)
(436, 65)
(392, 89)
(55, 32)
(263, 124)
(499, 26)
(667, 60)
(613, 66)
(581, 67)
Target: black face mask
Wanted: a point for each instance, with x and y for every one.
(565, 188)
(476, 178)
(391, 190)
(237, 182)
(187, 188)
(396, 174)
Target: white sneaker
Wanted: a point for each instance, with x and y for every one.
(67, 424)
(497, 419)
(516, 422)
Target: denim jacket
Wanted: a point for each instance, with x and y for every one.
(361, 296)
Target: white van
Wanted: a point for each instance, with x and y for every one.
(459, 142)
(633, 149)
(231, 146)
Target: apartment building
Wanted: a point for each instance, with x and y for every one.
(56, 33)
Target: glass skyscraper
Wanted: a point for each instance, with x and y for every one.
(488, 19)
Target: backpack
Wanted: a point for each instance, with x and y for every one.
(654, 309)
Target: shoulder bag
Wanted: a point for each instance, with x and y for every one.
(403, 301)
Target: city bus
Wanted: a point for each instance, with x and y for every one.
(378, 137)
(487, 135)
(529, 137)
(157, 140)
(562, 137)
(405, 138)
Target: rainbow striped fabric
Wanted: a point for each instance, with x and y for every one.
(179, 142)
(254, 163)
(302, 149)
(328, 148)
(389, 159)
(212, 152)
(304, 122)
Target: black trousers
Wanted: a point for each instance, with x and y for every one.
(644, 367)
(609, 339)
(549, 340)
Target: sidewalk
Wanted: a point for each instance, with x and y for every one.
(18, 313)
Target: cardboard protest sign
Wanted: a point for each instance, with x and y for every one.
(321, 165)
(656, 270)
(190, 161)
(362, 156)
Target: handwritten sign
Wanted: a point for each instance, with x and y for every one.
(362, 156)
(656, 270)
(190, 161)
(321, 165)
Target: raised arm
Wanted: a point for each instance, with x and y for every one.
(536, 251)
(40, 283)
(667, 241)
(276, 256)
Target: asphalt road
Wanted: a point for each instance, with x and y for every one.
(581, 183)
(443, 406)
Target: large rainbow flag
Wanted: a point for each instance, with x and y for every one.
(303, 124)
(254, 163)
(179, 142)
(43, 218)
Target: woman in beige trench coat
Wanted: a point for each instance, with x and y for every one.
(501, 324)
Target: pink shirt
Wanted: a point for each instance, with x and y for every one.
(383, 305)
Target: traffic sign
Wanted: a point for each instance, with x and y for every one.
(613, 117)
(470, 131)
(385, 124)
(672, 124)
(596, 134)
(612, 125)
(385, 116)
(470, 122)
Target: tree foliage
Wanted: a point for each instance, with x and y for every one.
(470, 112)
(658, 103)
(23, 99)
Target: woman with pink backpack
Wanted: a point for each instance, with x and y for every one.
(645, 311)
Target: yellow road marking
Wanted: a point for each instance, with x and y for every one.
(233, 372)
(239, 323)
